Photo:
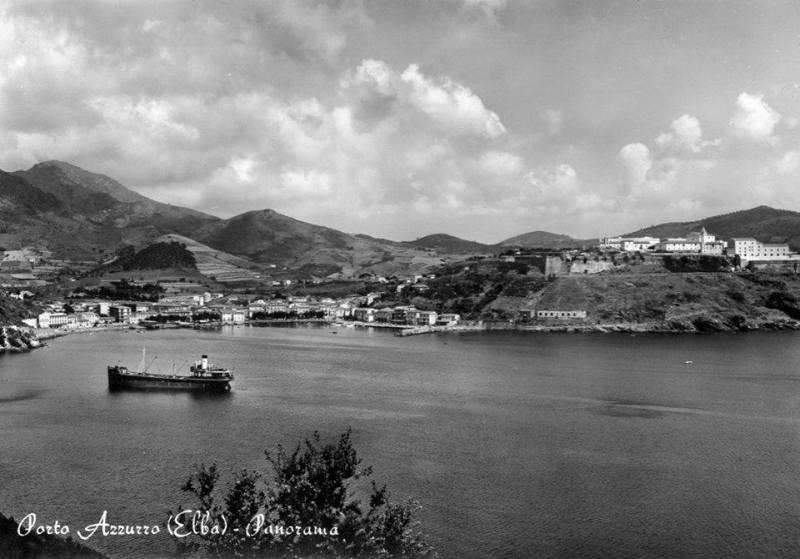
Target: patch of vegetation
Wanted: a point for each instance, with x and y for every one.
(158, 256)
(696, 263)
(784, 302)
(13, 311)
(522, 287)
(319, 270)
(737, 295)
(306, 509)
(122, 290)
(468, 289)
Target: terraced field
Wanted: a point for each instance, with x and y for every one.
(214, 264)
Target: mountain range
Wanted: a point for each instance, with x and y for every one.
(80, 215)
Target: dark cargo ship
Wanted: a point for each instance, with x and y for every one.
(204, 377)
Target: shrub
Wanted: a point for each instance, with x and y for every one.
(310, 489)
(737, 296)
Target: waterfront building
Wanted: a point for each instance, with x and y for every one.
(57, 319)
(448, 319)
(384, 316)
(400, 315)
(121, 313)
(560, 314)
(416, 317)
(274, 307)
(88, 319)
(43, 320)
(364, 314)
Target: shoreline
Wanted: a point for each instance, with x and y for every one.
(710, 325)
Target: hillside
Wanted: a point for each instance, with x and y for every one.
(12, 311)
(213, 263)
(158, 256)
(32, 217)
(762, 223)
(81, 215)
(543, 239)
(448, 244)
(18, 197)
(273, 239)
(704, 302)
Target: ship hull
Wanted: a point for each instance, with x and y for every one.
(118, 380)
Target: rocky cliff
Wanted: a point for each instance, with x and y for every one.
(14, 339)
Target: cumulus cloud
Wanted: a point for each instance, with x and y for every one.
(680, 176)
(451, 104)
(754, 120)
(232, 107)
(685, 134)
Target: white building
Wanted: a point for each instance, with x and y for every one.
(447, 319)
(748, 248)
(695, 242)
(639, 244)
(611, 243)
(56, 320)
(679, 245)
(701, 237)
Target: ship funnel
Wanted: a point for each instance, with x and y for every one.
(204, 363)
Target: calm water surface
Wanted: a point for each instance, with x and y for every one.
(516, 444)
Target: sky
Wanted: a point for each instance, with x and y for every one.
(483, 119)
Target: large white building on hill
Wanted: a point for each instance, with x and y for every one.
(748, 248)
(696, 242)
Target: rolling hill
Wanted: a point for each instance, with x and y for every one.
(273, 239)
(448, 244)
(82, 215)
(543, 239)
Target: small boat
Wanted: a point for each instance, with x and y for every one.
(204, 377)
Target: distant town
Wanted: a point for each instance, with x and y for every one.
(66, 301)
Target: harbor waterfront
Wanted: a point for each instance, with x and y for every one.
(515, 443)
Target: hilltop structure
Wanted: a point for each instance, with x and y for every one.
(701, 242)
(748, 248)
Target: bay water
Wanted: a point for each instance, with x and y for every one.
(515, 444)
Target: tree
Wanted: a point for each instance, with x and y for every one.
(308, 509)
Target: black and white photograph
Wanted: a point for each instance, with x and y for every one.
(399, 278)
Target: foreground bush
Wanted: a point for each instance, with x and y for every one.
(306, 510)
